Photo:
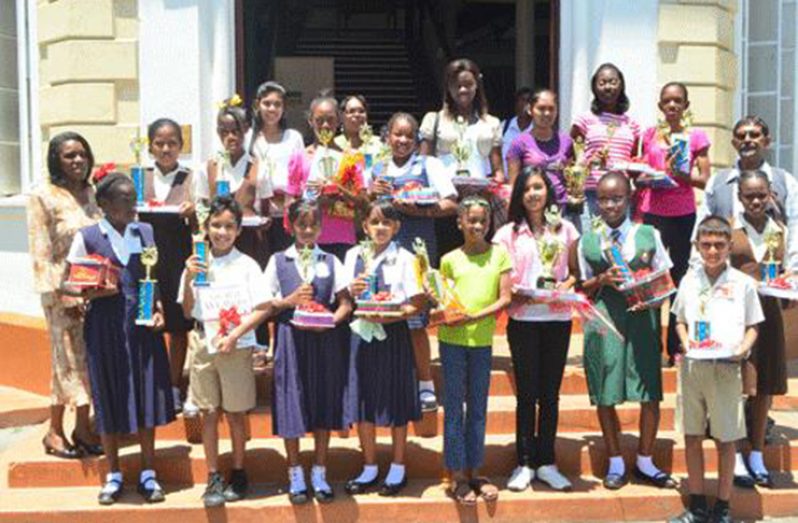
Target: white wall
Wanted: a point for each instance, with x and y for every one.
(623, 32)
(186, 65)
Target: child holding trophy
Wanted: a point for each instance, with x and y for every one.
(538, 241)
(311, 364)
(758, 250)
(382, 349)
(128, 365)
(481, 275)
(169, 207)
(221, 376)
(630, 369)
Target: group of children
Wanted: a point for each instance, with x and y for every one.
(330, 379)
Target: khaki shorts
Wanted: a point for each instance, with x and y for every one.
(220, 380)
(711, 390)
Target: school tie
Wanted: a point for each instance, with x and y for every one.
(615, 235)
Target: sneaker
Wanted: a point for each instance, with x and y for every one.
(429, 402)
(549, 475)
(214, 492)
(189, 409)
(237, 488)
(520, 479)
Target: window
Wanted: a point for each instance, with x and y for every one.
(768, 69)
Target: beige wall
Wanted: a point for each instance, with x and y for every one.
(9, 102)
(89, 73)
(696, 47)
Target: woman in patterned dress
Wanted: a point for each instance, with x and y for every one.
(56, 211)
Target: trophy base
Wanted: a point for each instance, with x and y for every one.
(145, 323)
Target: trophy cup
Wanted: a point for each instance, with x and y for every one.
(549, 249)
(327, 162)
(223, 178)
(137, 171)
(367, 253)
(200, 249)
(366, 134)
(461, 149)
(575, 174)
(770, 266)
(149, 257)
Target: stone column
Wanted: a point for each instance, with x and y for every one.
(525, 43)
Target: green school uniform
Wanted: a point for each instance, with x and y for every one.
(630, 370)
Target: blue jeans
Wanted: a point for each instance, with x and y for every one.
(466, 379)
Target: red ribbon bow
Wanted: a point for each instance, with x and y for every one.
(382, 296)
(312, 306)
(103, 171)
(229, 319)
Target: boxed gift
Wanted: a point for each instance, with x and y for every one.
(92, 272)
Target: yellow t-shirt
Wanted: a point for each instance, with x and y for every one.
(476, 281)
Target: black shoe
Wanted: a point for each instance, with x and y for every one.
(237, 488)
(214, 492)
(68, 452)
(393, 489)
(89, 449)
(720, 515)
(324, 496)
(762, 479)
(691, 516)
(744, 481)
(110, 497)
(298, 498)
(152, 495)
(661, 480)
(615, 481)
(354, 487)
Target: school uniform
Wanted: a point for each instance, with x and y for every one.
(311, 369)
(128, 364)
(629, 370)
(172, 238)
(712, 388)
(769, 352)
(383, 372)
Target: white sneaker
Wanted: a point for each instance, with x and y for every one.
(552, 477)
(189, 409)
(520, 479)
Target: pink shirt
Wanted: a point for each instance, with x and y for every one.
(594, 128)
(680, 200)
(303, 168)
(523, 249)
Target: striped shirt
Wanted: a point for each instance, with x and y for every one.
(595, 129)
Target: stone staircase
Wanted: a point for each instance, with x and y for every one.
(373, 64)
(39, 488)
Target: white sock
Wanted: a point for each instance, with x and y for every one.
(396, 474)
(297, 478)
(369, 474)
(109, 487)
(756, 462)
(646, 466)
(739, 465)
(617, 466)
(426, 386)
(147, 478)
(318, 479)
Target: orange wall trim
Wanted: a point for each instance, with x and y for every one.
(25, 353)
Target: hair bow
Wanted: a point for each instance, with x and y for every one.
(233, 101)
(103, 171)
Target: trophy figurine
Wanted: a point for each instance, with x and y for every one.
(770, 266)
(149, 257)
(200, 249)
(575, 174)
(461, 149)
(367, 253)
(549, 249)
(327, 162)
(137, 171)
(223, 177)
(306, 264)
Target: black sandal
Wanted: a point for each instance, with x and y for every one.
(107, 497)
(660, 480)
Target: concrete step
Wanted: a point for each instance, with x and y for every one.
(578, 454)
(576, 415)
(19, 408)
(421, 502)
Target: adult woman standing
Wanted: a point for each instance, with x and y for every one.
(463, 123)
(56, 211)
(355, 111)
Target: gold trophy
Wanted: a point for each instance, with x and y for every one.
(549, 249)
(327, 162)
(146, 309)
(367, 254)
(770, 266)
(305, 259)
(461, 149)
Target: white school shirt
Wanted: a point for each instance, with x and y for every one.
(512, 132)
(318, 269)
(661, 260)
(162, 182)
(757, 240)
(279, 154)
(790, 211)
(234, 268)
(123, 245)
(734, 305)
(437, 175)
(235, 175)
(397, 270)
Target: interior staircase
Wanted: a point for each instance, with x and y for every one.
(39, 488)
